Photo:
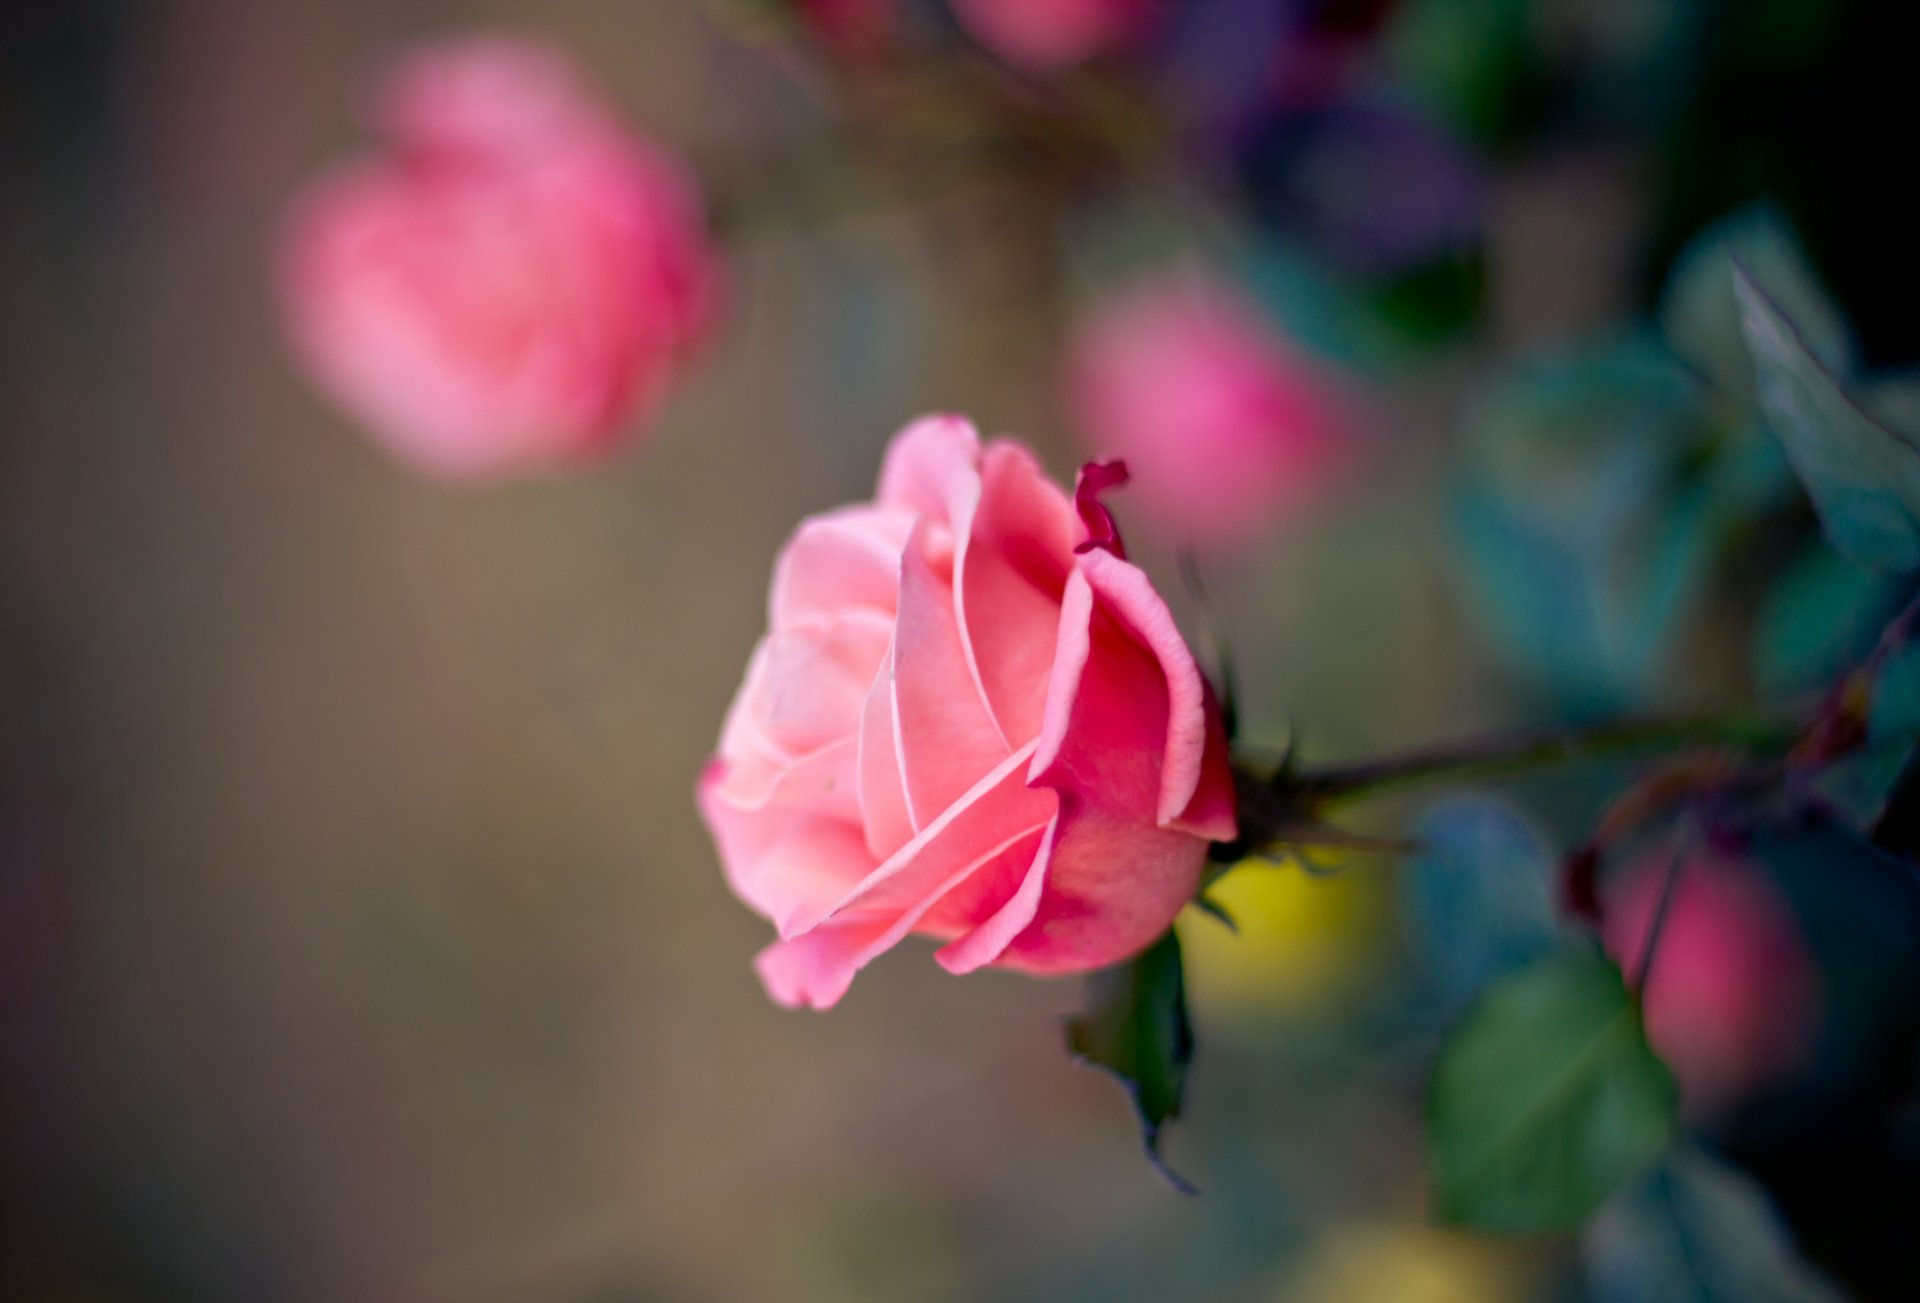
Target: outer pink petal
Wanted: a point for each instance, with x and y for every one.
(842, 559)
(944, 733)
(995, 814)
(1105, 725)
(932, 466)
(987, 940)
(1009, 573)
(1112, 886)
(883, 791)
(816, 967)
(786, 851)
(1195, 747)
(815, 970)
(815, 680)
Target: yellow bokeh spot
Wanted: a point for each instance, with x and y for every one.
(1405, 1263)
(1302, 937)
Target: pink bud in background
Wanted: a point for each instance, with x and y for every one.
(510, 281)
(1043, 35)
(1226, 427)
(1732, 993)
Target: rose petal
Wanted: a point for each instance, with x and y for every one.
(989, 939)
(1112, 886)
(1009, 574)
(996, 813)
(945, 736)
(817, 966)
(848, 558)
(883, 791)
(787, 847)
(931, 466)
(1195, 749)
(816, 678)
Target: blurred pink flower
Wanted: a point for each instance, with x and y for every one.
(1733, 992)
(1228, 428)
(1043, 35)
(971, 719)
(510, 281)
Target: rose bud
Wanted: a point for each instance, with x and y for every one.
(1732, 993)
(1229, 429)
(1047, 35)
(511, 281)
(970, 719)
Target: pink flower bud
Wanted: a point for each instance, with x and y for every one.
(1043, 35)
(1227, 428)
(510, 280)
(1732, 992)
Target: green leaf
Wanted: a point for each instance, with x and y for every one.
(1863, 476)
(1820, 619)
(1583, 540)
(1700, 314)
(1135, 1027)
(1895, 713)
(1545, 1097)
(1696, 1230)
(1858, 787)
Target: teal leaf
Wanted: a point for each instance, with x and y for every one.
(1696, 1230)
(1545, 1098)
(1858, 787)
(1863, 476)
(1135, 1027)
(1582, 539)
(1476, 894)
(1820, 619)
(1895, 713)
(1700, 314)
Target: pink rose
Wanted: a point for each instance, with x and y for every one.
(1228, 428)
(1043, 35)
(512, 280)
(1732, 995)
(963, 725)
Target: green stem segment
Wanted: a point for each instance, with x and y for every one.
(1505, 757)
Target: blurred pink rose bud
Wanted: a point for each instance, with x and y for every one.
(1227, 427)
(510, 281)
(970, 720)
(1043, 35)
(1732, 995)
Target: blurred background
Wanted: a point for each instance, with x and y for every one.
(358, 938)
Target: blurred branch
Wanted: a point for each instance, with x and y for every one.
(1508, 756)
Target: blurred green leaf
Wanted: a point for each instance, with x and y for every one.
(1477, 895)
(1585, 525)
(1864, 477)
(1696, 1230)
(1545, 1098)
(1820, 619)
(1895, 401)
(1858, 786)
(1135, 1027)
(1469, 59)
(1701, 318)
(1895, 714)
